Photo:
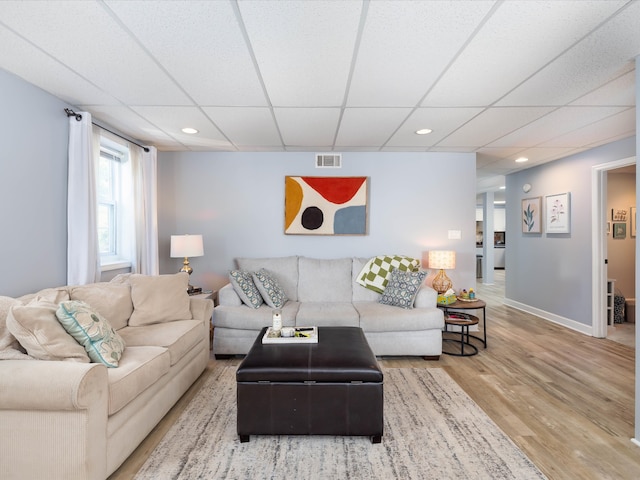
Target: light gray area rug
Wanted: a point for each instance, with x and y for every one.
(432, 430)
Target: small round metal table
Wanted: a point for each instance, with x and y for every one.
(464, 321)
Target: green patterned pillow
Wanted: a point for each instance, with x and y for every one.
(270, 289)
(375, 274)
(92, 331)
(402, 288)
(242, 283)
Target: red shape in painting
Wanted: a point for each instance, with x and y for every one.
(336, 189)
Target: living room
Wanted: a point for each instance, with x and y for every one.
(236, 198)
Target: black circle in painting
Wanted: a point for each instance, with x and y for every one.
(312, 218)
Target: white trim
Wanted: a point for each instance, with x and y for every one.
(552, 317)
(598, 242)
(635, 442)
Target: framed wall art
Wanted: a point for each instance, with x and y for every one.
(618, 215)
(558, 213)
(326, 205)
(632, 221)
(531, 219)
(620, 230)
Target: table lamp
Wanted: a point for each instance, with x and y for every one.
(187, 246)
(442, 260)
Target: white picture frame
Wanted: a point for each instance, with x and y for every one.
(558, 213)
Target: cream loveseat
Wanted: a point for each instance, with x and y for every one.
(65, 417)
(324, 292)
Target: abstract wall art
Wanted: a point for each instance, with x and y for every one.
(325, 205)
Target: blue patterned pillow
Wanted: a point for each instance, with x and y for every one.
(270, 289)
(402, 288)
(245, 288)
(102, 343)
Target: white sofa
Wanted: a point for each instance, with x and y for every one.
(324, 292)
(69, 418)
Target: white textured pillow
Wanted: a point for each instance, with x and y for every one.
(9, 347)
(36, 327)
(111, 300)
(91, 330)
(159, 298)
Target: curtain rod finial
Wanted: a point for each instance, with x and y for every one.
(71, 113)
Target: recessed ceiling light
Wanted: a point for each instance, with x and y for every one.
(189, 130)
(522, 160)
(424, 131)
(503, 187)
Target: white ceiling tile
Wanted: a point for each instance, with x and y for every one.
(561, 121)
(620, 91)
(313, 127)
(492, 124)
(246, 126)
(209, 59)
(130, 123)
(380, 125)
(406, 46)
(172, 120)
(441, 120)
(303, 49)
(47, 73)
(597, 59)
(93, 45)
(510, 47)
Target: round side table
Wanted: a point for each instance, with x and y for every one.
(464, 321)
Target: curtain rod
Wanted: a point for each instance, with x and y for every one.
(71, 113)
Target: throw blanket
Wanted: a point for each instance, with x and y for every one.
(375, 274)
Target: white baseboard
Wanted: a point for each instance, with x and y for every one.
(636, 442)
(552, 317)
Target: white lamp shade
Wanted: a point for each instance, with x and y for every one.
(442, 259)
(187, 246)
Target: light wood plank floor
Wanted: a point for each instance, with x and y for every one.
(566, 399)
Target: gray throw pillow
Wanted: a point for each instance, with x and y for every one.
(270, 289)
(242, 283)
(402, 288)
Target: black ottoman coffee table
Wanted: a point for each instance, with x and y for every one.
(333, 387)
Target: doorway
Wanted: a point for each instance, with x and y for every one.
(603, 232)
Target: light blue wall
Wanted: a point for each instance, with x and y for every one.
(236, 200)
(33, 195)
(552, 272)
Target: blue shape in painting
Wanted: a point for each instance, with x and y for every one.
(350, 220)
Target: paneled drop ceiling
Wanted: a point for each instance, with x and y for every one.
(505, 79)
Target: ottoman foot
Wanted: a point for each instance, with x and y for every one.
(244, 438)
(376, 439)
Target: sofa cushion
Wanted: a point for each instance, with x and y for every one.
(246, 289)
(402, 288)
(178, 337)
(270, 289)
(140, 367)
(10, 348)
(111, 300)
(38, 330)
(376, 317)
(375, 274)
(243, 318)
(159, 298)
(284, 269)
(327, 314)
(92, 331)
(53, 295)
(324, 280)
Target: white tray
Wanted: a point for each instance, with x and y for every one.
(312, 337)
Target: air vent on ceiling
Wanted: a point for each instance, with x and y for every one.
(328, 160)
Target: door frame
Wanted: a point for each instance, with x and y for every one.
(599, 243)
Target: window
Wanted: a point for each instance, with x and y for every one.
(115, 207)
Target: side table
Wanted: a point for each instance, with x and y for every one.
(208, 295)
(476, 305)
(464, 321)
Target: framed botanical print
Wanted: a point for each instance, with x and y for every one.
(558, 213)
(531, 218)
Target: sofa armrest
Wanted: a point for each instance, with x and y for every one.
(426, 297)
(227, 296)
(51, 385)
(201, 309)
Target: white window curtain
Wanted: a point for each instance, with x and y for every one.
(83, 258)
(144, 166)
